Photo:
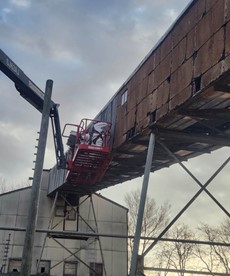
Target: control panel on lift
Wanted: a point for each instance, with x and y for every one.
(88, 155)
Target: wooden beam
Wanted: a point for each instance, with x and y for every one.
(183, 137)
(129, 162)
(208, 114)
(222, 88)
(127, 152)
(140, 142)
(194, 149)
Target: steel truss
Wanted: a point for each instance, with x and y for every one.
(56, 235)
(77, 235)
(137, 267)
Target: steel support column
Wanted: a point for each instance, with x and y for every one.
(34, 201)
(142, 204)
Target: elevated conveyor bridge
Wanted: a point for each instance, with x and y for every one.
(180, 92)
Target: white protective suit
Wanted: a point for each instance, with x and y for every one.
(98, 133)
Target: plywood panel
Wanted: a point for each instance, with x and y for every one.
(178, 54)
(162, 94)
(119, 137)
(210, 53)
(227, 39)
(149, 65)
(181, 78)
(185, 25)
(218, 16)
(151, 82)
(203, 30)
(227, 10)
(212, 74)
(163, 70)
(190, 43)
(210, 4)
(142, 90)
(163, 110)
(131, 118)
(166, 47)
(180, 98)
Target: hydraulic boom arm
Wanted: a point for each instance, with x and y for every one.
(35, 96)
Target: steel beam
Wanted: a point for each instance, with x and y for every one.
(75, 235)
(142, 205)
(183, 271)
(182, 137)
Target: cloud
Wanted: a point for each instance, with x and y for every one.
(89, 48)
(21, 3)
(4, 12)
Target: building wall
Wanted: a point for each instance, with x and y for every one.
(193, 54)
(111, 219)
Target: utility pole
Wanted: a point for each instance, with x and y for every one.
(35, 190)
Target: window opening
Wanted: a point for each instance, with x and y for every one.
(14, 265)
(98, 267)
(196, 84)
(124, 97)
(70, 269)
(44, 268)
(68, 212)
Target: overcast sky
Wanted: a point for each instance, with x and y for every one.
(88, 48)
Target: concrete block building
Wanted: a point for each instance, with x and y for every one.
(71, 247)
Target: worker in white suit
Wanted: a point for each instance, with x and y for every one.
(98, 133)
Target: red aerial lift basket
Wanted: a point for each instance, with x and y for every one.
(88, 155)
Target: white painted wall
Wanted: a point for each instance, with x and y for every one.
(111, 219)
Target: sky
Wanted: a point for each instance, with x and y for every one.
(89, 49)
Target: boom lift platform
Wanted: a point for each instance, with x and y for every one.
(88, 155)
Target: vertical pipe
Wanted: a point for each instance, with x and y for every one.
(142, 205)
(35, 189)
